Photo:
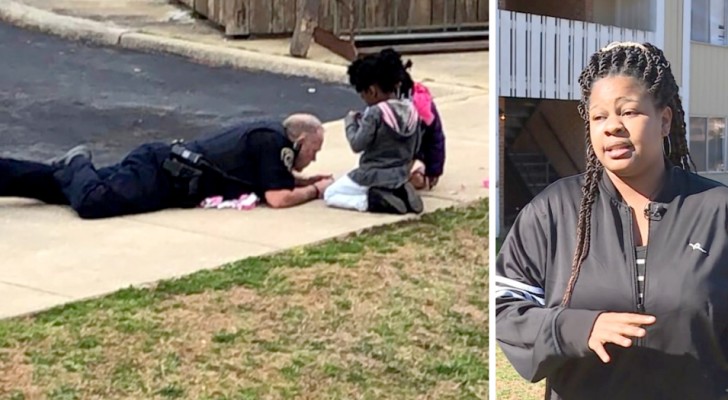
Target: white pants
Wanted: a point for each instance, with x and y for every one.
(347, 194)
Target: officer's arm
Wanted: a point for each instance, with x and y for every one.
(285, 198)
(302, 180)
(276, 180)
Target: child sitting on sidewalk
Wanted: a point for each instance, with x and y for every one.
(429, 162)
(387, 134)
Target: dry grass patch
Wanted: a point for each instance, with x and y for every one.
(394, 313)
(511, 386)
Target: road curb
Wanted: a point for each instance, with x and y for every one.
(25, 16)
(82, 29)
(236, 58)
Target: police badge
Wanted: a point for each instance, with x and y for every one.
(287, 156)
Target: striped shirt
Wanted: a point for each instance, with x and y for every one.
(641, 256)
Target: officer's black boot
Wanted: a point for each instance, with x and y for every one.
(411, 199)
(383, 200)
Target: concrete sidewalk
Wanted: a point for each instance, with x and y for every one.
(51, 257)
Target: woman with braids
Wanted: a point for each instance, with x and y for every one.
(614, 284)
(387, 134)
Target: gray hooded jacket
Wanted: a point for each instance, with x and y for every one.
(388, 135)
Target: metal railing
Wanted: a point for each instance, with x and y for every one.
(542, 57)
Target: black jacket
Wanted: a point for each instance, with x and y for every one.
(684, 354)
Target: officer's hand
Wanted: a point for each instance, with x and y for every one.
(319, 177)
(323, 184)
(617, 328)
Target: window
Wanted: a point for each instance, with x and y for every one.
(708, 21)
(708, 144)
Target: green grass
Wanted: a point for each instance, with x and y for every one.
(510, 385)
(395, 312)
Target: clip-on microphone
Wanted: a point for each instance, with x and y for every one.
(654, 211)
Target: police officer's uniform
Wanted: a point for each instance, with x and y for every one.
(251, 157)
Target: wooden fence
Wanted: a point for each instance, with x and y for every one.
(278, 17)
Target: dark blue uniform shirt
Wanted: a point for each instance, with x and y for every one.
(257, 153)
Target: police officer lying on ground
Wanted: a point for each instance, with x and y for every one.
(262, 157)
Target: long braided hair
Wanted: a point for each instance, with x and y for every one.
(648, 65)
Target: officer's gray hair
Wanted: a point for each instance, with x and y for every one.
(300, 124)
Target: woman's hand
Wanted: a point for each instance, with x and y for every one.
(617, 328)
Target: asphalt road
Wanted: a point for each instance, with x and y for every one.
(55, 94)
